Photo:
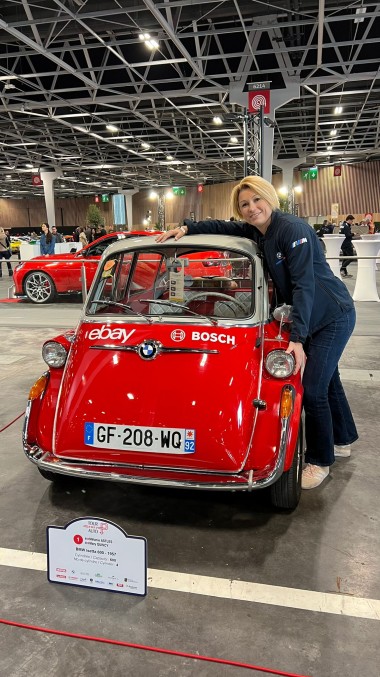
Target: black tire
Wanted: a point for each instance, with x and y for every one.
(54, 477)
(39, 287)
(286, 492)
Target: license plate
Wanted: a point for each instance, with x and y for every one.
(137, 438)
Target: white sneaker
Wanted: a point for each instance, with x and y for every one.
(313, 475)
(342, 450)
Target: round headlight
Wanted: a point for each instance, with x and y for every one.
(279, 364)
(54, 354)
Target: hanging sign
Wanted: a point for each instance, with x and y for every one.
(305, 174)
(179, 190)
(313, 173)
(36, 180)
(177, 280)
(259, 97)
(337, 170)
(96, 553)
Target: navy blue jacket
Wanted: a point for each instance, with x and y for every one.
(297, 266)
(345, 230)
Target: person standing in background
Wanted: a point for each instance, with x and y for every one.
(347, 247)
(82, 237)
(47, 240)
(5, 252)
(58, 237)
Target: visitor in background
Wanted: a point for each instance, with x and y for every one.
(347, 247)
(82, 237)
(47, 240)
(58, 237)
(5, 252)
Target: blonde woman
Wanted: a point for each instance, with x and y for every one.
(323, 314)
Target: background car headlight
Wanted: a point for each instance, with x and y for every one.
(54, 354)
(279, 364)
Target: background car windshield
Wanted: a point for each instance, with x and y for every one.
(178, 282)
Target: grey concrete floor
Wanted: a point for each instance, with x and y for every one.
(329, 544)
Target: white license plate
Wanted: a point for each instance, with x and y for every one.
(137, 438)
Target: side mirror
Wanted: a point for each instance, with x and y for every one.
(282, 314)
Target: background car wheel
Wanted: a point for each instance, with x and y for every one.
(39, 287)
(286, 492)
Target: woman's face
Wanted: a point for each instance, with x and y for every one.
(254, 209)
(44, 228)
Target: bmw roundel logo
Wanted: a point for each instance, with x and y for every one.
(148, 349)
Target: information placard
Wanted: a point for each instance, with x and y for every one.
(92, 552)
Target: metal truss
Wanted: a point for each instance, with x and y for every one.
(69, 68)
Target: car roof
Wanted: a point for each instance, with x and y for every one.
(210, 242)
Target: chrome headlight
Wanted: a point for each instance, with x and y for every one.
(54, 354)
(279, 364)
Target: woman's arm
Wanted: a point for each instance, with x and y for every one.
(208, 227)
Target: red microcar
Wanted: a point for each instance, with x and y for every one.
(175, 376)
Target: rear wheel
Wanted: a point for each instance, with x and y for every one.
(286, 492)
(55, 477)
(39, 287)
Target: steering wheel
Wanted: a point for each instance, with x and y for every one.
(227, 299)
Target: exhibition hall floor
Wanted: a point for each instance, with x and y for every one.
(228, 577)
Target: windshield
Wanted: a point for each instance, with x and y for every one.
(167, 282)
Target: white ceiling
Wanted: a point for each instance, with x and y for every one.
(69, 68)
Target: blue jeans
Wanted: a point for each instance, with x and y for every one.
(328, 417)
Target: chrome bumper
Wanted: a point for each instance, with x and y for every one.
(243, 481)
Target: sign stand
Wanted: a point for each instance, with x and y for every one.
(92, 552)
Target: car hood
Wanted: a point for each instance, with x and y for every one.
(202, 380)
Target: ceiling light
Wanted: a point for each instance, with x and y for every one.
(144, 36)
(8, 176)
(8, 77)
(152, 44)
(188, 166)
(153, 195)
(333, 132)
(145, 145)
(112, 128)
(169, 157)
(169, 194)
(217, 120)
(329, 147)
(29, 166)
(338, 110)
(283, 190)
(234, 139)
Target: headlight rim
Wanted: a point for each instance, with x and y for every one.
(58, 363)
(289, 358)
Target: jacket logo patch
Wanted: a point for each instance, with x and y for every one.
(297, 242)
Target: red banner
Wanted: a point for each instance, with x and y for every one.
(36, 180)
(337, 170)
(257, 99)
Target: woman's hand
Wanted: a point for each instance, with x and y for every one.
(299, 355)
(177, 233)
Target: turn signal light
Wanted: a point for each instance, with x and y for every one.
(38, 388)
(286, 403)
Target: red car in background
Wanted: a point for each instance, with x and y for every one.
(42, 278)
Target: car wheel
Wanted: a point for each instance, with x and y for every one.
(286, 492)
(55, 477)
(39, 287)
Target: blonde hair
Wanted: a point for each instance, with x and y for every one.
(260, 187)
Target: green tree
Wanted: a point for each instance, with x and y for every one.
(94, 216)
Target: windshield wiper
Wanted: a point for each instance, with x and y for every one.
(125, 307)
(180, 305)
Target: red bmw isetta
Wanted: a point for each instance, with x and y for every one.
(175, 376)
